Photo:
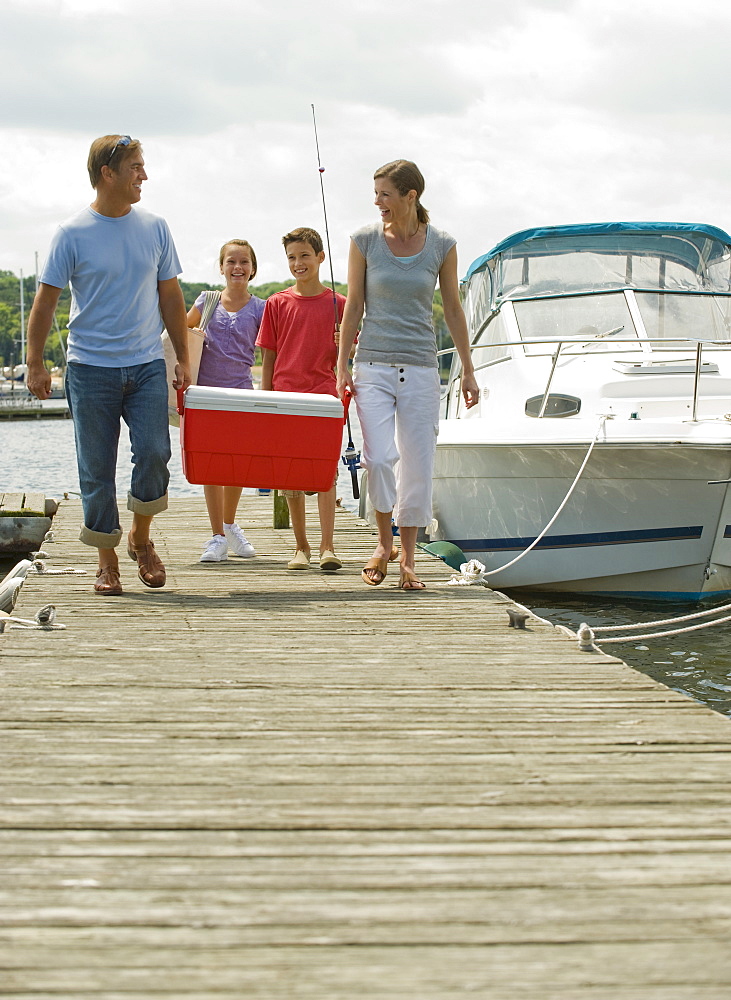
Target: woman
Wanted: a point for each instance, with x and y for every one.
(393, 269)
(228, 354)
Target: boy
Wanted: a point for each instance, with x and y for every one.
(299, 350)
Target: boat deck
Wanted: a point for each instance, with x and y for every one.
(258, 783)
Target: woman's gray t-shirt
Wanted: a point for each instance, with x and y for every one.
(397, 325)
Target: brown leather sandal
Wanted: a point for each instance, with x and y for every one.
(151, 570)
(108, 583)
(410, 582)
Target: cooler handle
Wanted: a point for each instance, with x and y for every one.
(181, 401)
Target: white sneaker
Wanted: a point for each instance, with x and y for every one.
(238, 543)
(215, 550)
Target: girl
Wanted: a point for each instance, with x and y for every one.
(228, 354)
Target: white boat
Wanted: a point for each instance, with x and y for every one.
(11, 584)
(610, 341)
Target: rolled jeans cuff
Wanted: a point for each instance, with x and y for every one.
(148, 508)
(100, 539)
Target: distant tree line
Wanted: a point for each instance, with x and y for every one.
(10, 339)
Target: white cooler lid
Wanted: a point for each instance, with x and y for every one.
(311, 404)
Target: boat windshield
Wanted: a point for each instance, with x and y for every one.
(675, 317)
(599, 320)
(616, 287)
(664, 321)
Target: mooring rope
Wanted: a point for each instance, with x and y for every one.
(588, 639)
(471, 574)
(659, 635)
(44, 619)
(664, 621)
(39, 566)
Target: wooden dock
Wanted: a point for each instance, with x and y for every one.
(258, 783)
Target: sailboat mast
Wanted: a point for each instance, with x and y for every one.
(22, 320)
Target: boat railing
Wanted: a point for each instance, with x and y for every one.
(20, 400)
(698, 345)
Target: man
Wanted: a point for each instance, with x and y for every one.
(123, 270)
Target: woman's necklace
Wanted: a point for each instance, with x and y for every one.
(406, 239)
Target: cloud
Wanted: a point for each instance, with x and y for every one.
(532, 113)
(167, 68)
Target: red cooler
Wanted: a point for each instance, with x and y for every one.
(246, 437)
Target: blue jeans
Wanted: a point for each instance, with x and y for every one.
(98, 398)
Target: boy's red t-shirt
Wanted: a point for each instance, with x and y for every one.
(301, 329)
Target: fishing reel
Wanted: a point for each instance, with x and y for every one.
(351, 459)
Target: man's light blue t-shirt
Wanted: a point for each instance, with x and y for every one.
(113, 266)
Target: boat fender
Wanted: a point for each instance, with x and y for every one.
(9, 593)
(20, 569)
(448, 552)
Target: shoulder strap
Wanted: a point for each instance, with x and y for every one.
(209, 307)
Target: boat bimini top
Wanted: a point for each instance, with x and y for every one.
(648, 256)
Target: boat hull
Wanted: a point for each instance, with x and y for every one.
(19, 535)
(642, 521)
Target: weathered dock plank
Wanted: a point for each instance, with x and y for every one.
(11, 503)
(269, 784)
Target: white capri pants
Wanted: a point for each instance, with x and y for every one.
(398, 410)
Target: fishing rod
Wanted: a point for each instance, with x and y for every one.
(351, 458)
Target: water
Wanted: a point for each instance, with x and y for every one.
(39, 455)
(696, 663)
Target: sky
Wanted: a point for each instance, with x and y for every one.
(519, 113)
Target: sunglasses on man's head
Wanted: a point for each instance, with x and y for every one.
(123, 140)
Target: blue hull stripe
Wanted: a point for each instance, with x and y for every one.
(659, 595)
(644, 535)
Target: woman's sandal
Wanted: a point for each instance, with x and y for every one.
(108, 583)
(410, 582)
(379, 566)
